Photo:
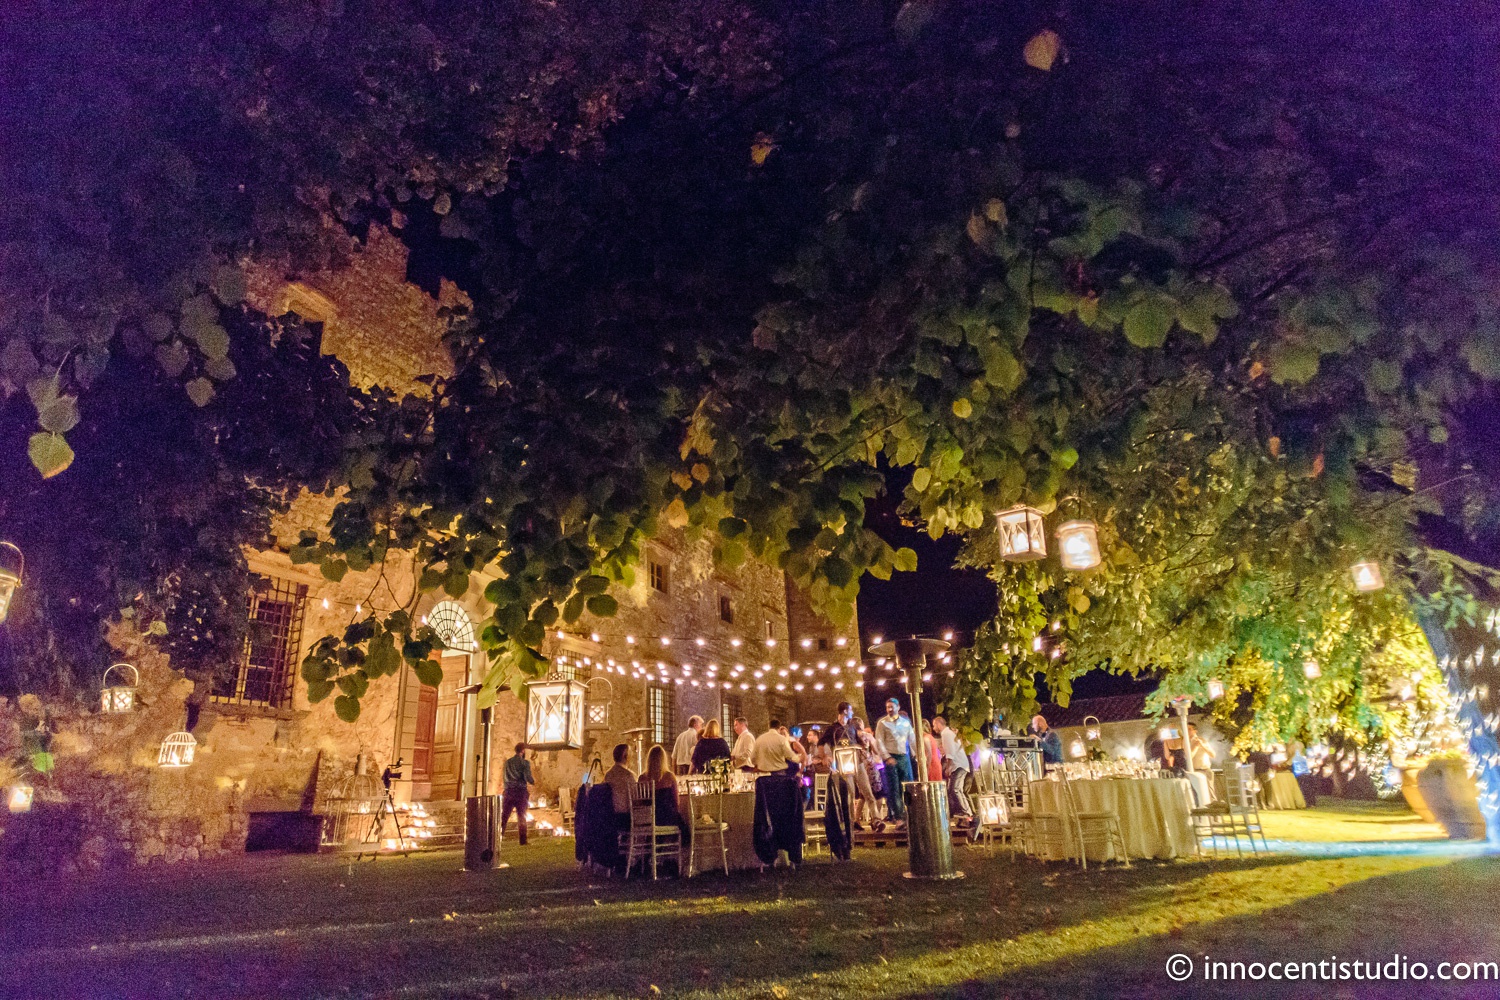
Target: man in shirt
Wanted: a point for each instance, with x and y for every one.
(621, 780)
(773, 751)
(682, 750)
(955, 767)
(896, 741)
(743, 754)
(517, 794)
(1051, 742)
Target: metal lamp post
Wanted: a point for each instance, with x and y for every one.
(482, 811)
(929, 843)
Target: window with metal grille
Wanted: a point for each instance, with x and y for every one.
(661, 711)
(274, 638)
(658, 575)
(729, 710)
(726, 609)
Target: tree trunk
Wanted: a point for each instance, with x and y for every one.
(1451, 652)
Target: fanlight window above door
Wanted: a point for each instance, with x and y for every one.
(453, 626)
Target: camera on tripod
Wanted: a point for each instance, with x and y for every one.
(392, 773)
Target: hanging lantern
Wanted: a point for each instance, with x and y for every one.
(12, 568)
(1367, 576)
(1311, 670)
(177, 750)
(1076, 748)
(18, 798)
(1023, 536)
(1091, 727)
(993, 810)
(1078, 545)
(1215, 689)
(846, 759)
(596, 709)
(554, 714)
(119, 696)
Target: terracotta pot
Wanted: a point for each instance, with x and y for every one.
(1453, 798)
(1413, 794)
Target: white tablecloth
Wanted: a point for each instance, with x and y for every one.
(1155, 813)
(1280, 790)
(739, 813)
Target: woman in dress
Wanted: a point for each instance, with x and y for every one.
(659, 773)
(711, 745)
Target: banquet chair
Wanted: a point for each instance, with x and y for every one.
(708, 824)
(816, 834)
(647, 840)
(1238, 813)
(1033, 831)
(1100, 827)
(992, 819)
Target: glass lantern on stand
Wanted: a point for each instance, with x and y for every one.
(555, 713)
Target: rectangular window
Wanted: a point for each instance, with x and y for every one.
(726, 609)
(268, 667)
(661, 710)
(729, 710)
(657, 572)
(822, 643)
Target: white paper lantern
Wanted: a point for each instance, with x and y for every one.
(1367, 576)
(1078, 545)
(554, 714)
(1023, 537)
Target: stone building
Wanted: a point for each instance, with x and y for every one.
(689, 639)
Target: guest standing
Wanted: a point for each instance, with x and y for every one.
(743, 756)
(711, 745)
(955, 767)
(897, 744)
(682, 750)
(774, 753)
(1051, 742)
(517, 794)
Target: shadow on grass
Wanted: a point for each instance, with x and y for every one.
(308, 927)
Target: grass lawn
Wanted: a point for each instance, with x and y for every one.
(1350, 820)
(263, 926)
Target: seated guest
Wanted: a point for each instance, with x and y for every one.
(744, 745)
(774, 753)
(659, 773)
(711, 745)
(620, 779)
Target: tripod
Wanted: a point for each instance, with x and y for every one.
(387, 807)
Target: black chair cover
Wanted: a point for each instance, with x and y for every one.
(780, 818)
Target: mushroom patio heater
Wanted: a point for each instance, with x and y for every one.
(554, 713)
(1078, 545)
(12, 569)
(929, 842)
(481, 811)
(119, 695)
(1023, 536)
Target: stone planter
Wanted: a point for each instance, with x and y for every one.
(1453, 798)
(1411, 791)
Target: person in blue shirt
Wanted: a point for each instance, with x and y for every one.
(1051, 742)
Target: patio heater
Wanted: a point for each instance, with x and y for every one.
(929, 843)
(482, 811)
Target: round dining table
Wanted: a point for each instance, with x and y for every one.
(739, 813)
(1155, 813)
(1279, 790)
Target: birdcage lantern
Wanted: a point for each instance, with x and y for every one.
(554, 713)
(1091, 727)
(1311, 670)
(177, 750)
(596, 708)
(119, 695)
(12, 569)
(1023, 536)
(1215, 689)
(1078, 545)
(1367, 576)
(18, 798)
(846, 759)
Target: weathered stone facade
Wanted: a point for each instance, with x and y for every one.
(108, 801)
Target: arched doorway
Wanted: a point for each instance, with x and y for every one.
(438, 749)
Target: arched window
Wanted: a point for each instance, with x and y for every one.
(453, 627)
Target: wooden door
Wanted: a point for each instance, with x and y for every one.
(448, 730)
(422, 743)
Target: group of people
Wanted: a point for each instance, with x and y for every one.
(889, 755)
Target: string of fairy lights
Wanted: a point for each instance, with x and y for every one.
(788, 666)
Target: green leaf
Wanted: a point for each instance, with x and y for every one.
(230, 285)
(603, 606)
(333, 569)
(591, 585)
(429, 672)
(963, 409)
(173, 358)
(212, 340)
(157, 628)
(201, 391)
(49, 453)
(1292, 364)
(1042, 50)
(1148, 321)
(921, 479)
(318, 690)
(42, 762)
(456, 583)
(346, 708)
(905, 560)
(383, 657)
(60, 415)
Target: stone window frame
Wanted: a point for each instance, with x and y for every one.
(281, 651)
(726, 607)
(661, 713)
(658, 574)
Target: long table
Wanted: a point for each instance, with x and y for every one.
(1155, 813)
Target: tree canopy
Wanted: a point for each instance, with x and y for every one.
(1220, 279)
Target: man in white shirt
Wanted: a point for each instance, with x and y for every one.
(621, 780)
(773, 751)
(743, 754)
(682, 750)
(955, 767)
